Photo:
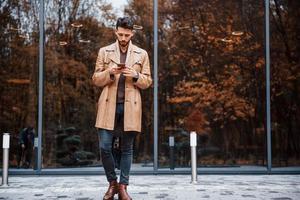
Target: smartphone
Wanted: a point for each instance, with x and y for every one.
(121, 66)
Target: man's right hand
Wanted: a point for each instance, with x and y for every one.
(23, 146)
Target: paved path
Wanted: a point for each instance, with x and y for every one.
(152, 187)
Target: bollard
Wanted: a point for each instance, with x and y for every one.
(36, 145)
(171, 146)
(5, 147)
(193, 142)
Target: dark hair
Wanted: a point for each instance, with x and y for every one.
(124, 22)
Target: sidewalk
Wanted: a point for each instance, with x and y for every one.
(151, 187)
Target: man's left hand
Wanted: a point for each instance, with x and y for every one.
(129, 72)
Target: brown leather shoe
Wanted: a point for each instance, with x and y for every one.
(111, 191)
(123, 195)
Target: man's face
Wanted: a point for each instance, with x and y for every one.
(124, 36)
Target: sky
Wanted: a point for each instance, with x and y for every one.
(118, 5)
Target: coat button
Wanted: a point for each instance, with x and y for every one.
(135, 102)
(106, 100)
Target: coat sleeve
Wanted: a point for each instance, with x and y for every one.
(101, 76)
(144, 79)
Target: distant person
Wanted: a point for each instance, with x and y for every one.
(26, 145)
(122, 70)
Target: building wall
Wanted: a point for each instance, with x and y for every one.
(211, 77)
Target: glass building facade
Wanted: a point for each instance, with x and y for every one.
(228, 70)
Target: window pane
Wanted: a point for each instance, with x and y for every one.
(285, 76)
(142, 13)
(212, 81)
(18, 86)
(75, 31)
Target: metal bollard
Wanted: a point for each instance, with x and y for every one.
(171, 145)
(5, 147)
(193, 142)
(36, 144)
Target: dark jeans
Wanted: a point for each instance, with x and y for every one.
(126, 147)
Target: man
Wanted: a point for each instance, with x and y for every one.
(26, 141)
(122, 69)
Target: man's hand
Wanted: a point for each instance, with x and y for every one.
(129, 72)
(114, 71)
(23, 146)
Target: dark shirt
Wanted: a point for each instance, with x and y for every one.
(121, 84)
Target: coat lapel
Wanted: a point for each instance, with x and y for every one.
(129, 55)
(115, 57)
(114, 54)
(117, 52)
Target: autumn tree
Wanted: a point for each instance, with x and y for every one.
(212, 69)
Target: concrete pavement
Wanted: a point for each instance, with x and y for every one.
(151, 187)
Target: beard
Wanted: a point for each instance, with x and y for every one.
(123, 43)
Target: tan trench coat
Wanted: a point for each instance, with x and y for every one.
(108, 57)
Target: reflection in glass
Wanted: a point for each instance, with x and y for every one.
(211, 80)
(18, 85)
(75, 31)
(285, 75)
